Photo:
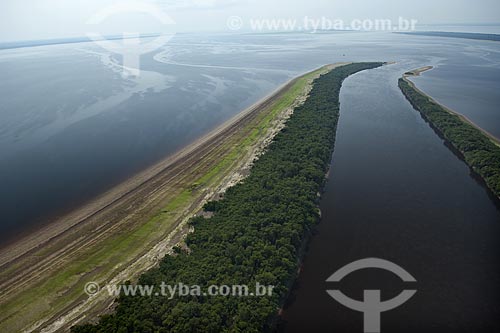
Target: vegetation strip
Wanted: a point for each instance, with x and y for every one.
(129, 230)
(254, 235)
(478, 150)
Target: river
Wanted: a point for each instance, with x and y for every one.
(71, 127)
(396, 192)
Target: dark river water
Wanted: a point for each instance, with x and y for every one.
(71, 127)
(396, 192)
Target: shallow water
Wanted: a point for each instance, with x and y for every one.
(71, 126)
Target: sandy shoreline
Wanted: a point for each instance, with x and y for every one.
(46, 233)
(128, 205)
(418, 72)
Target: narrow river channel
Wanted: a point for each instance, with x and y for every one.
(396, 192)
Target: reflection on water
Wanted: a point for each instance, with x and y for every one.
(71, 126)
(398, 193)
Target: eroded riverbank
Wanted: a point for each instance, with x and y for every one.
(129, 229)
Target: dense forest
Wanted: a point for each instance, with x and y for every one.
(478, 151)
(254, 236)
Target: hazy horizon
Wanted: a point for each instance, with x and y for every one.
(54, 19)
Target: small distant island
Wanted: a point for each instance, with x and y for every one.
(479, 149)
(418, 71)
(463, 35)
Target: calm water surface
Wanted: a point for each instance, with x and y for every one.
(398, 193)
(71, 126)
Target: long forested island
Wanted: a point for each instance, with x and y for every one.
(254, 234)
(479, 150)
